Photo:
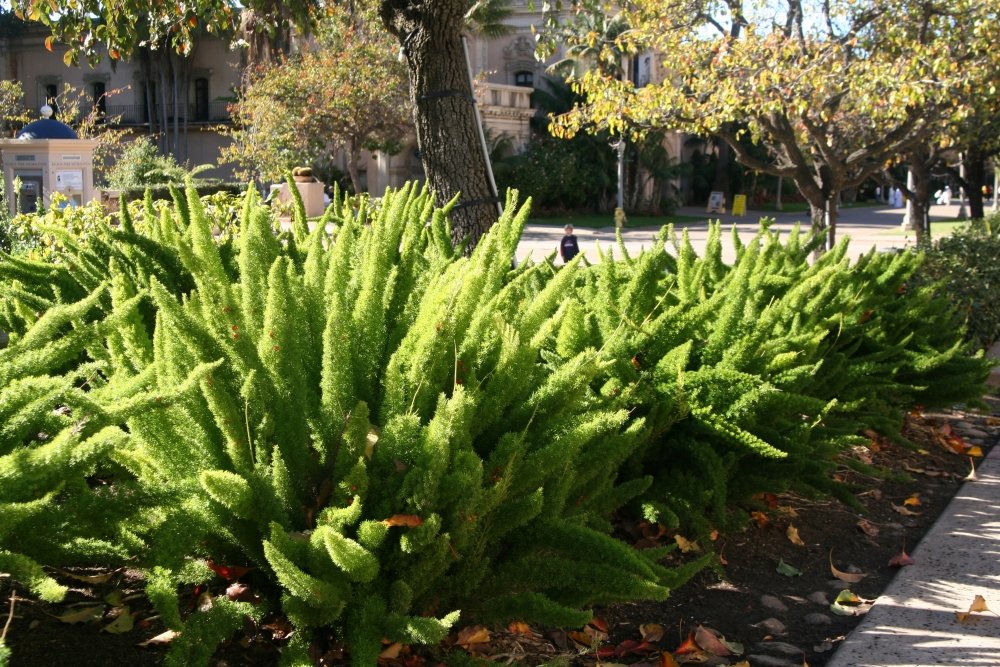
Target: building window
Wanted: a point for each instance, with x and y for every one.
(201, 99)
(51, 92)
(524, 78)
(99, 91)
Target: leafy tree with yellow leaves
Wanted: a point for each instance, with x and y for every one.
(833, 90)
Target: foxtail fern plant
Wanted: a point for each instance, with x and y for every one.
(372, 422)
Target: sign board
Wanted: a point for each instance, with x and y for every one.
(739, 204)
(716, 202)
(69, 180)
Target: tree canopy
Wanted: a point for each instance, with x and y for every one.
(832, 89)
(348, 92)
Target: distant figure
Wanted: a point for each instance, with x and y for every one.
(568, 247)
(943, 197)
(896, 197)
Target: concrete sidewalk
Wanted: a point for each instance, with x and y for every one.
(913, 623)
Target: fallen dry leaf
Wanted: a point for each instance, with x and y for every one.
(84, 615)
(904, 511)
(793, 536)
(978, 604)
(408, 520)
(868, 528)
(667, 660)
(976, 451)
(913, 501)
(651, 632)
(760, 518)
(473, 634)
(124, 621)
(161, 639)
(711, 642)
(686, 545)
(391, 652)
(90, 578)
(519, 628)
(849, 577)
(902, 559)
(689, 646)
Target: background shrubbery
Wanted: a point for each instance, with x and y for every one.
(967, 265)
(388, 433)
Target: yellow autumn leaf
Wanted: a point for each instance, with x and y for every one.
(975, 450)
(686, 545)
(793, 536)
(124, 621)
(978, 604)
(913, 501)
(474, 634)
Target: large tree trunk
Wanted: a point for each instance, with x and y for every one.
(430, 32)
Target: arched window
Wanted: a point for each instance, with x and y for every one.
(525, 78)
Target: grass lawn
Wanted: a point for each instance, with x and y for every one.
(598, 220)
(803, 207)
(939, 229)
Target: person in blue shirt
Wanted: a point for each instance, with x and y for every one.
(568, 246)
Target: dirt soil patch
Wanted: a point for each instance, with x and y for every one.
(771, 602)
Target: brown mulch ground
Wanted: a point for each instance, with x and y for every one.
(744, 612)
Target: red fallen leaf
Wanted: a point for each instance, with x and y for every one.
(632, 647)
(408, 520)
(227, 572)
(600, 624)
(689, 646)
(708, 641)
(761, 519)
(902, 559)
(769, 499)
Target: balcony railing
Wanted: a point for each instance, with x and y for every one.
(138, 114)
(501, 95)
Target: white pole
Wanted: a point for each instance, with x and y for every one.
(479, 126)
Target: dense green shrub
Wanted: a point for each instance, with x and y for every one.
(965, 263)
(388, 432)
(561, 175)
(775, 363)
(370, 421)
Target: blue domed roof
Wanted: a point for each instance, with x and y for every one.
(46, 128)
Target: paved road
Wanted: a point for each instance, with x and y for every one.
(867, 226)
